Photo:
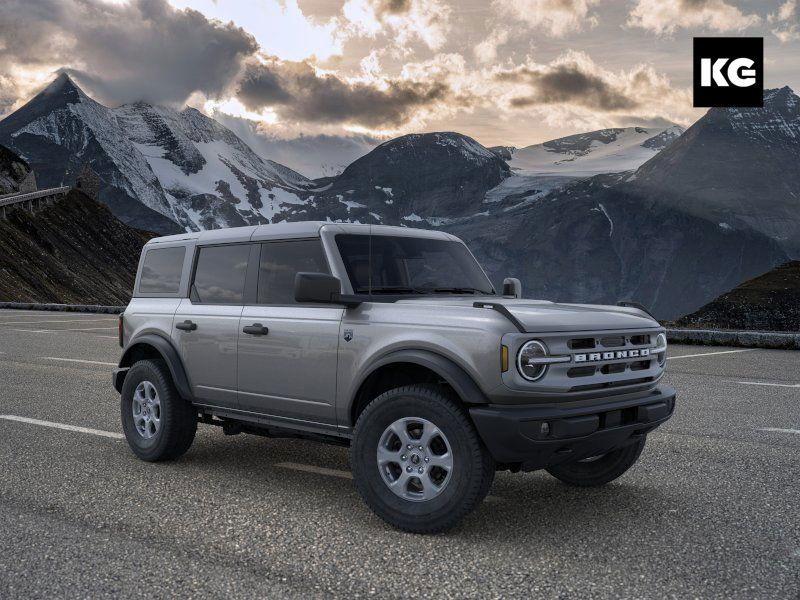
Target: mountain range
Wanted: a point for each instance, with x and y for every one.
(161, 169)
(668, 218)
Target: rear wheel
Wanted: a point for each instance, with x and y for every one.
(158, 423)
(417, 460)
(601, 469)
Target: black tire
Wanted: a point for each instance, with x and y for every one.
(178, 419)
(599, 471)
(472, 472)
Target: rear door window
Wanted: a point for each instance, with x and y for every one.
(161, 271)
(220, 274)
(280, 262)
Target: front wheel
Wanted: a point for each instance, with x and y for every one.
(599, 470)
(417, 460)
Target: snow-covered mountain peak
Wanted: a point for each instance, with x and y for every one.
(444, 142)
(181, 164)
(779, 119)
(65, 88)
(595, 152)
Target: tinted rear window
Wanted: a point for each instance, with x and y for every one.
(161, 271)
(220, 274)
(280, 262)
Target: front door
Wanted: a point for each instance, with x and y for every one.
(288, 351)
(206, 325)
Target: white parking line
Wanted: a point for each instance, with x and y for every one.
(786, 385)
(108, 434)
(85, 329)
(82, 329)
(54, 321)
(313, 469)
(778, 430)
(342, 474)
(78, 360)
(710, 353)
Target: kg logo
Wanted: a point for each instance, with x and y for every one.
(728, 71)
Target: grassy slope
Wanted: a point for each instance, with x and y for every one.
(769, 302)
(74, 251)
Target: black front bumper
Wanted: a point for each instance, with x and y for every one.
(535, 437)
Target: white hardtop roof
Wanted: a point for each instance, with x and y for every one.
(297, 229)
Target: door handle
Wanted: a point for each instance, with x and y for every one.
(255, 329)
(186, 326)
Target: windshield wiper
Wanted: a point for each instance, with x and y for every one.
(460, 290)
(389, 289)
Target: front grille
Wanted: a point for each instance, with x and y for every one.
(613, 342)
(599, 361)
(581, 371)
(581, 344)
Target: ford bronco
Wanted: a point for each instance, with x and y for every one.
(394, 342)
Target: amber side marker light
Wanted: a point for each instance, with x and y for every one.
(504, 358)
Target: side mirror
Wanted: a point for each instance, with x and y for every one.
(317, 287)
(512, 287)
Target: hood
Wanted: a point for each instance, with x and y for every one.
(539, 316)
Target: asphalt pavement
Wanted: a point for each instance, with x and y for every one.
(712, 509)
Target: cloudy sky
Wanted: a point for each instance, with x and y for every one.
(505, 72)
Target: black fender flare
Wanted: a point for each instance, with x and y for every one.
(168, 353)
(462, 383)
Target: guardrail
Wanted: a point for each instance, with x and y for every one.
(48, 195)
(746, 339)
(91, 308)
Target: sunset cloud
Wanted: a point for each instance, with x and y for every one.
(787, 25)
(666, 16)
(403, 21)
(575, 86)
(297, 91)
(556, 17)
(141, 50)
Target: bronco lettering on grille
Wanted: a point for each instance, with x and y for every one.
(616, 355)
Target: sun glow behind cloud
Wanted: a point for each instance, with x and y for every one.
(235, 108)
(280, 28)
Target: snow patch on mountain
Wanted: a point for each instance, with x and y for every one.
(593, 153)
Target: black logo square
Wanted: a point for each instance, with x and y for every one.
(729, 71)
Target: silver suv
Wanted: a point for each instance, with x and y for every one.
(392, 341)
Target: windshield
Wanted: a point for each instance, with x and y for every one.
(410, 265)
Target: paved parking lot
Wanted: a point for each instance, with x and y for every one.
(710, 511)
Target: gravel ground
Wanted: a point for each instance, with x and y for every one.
(710, 511)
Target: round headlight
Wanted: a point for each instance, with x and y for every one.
(527, 360)
(661, 345)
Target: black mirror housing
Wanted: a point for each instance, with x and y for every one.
(512, 287)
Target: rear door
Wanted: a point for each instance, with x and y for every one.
(206, 325)
(288, 351)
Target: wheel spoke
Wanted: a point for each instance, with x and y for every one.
(444, 461)
(429, 489)
(429, 432)
(386, 456)
(401, 483)
(400, 429)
